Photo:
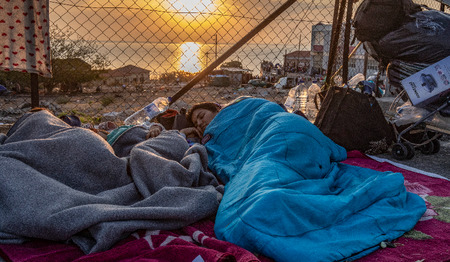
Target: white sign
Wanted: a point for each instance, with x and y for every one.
(426, 85)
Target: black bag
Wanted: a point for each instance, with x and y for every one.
(181, 120)
(375, 18)
(425, 39)
(167, 118)
(353, 120)
(398, 70)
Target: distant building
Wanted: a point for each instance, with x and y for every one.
(236, 75)
(320, 50)
(270, 72)
(356, 63)
(297, 62)
(126, 75)
(320, 47)
(315, 61)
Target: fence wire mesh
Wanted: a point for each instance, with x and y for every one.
(111, 58)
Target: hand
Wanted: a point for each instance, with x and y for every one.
(191, 132)
(154, 131)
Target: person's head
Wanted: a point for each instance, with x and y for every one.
(201, 114)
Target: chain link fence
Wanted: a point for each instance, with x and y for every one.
(111, 58)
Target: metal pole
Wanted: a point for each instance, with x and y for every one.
(298, 58)
(346, 41)
(230, 51)
(336, 28)
(366, 61)
(216, 47)
(34, 90)
(349, 56)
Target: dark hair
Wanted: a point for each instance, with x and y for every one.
(213, 107)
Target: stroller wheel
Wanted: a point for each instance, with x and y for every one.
(399, 151)
(428, 148)
(411, 151)
(437, 146)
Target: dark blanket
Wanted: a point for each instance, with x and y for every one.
(65, 183)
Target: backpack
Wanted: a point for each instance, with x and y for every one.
(375, 18)
(353, 120)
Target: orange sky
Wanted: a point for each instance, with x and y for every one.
(178, 21)
(140, 22)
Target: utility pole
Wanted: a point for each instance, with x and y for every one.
(215, 47)
(299, 52)
(207, 58)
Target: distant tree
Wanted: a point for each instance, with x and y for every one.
(234, 64)
(71, 73)
(15, 81)
(74, 61)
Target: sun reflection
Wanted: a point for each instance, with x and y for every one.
(190, 57)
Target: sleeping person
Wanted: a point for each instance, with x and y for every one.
(64, 183)
(287, 194)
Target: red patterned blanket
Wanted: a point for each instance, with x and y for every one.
(428, 241)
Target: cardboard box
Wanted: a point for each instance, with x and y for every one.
(429, 83)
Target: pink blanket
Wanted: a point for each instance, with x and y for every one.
(429, 241)
(192, 243)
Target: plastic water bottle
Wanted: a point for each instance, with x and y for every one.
(311, 109)
(301, 98)
(290, 100)
(297, 98)
(355, 80)
(147, 113)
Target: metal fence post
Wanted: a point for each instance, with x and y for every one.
(34, 90)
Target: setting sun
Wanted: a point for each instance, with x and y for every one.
(189, 60)
(192, 6)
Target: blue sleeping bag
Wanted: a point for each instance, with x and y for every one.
(288, 197)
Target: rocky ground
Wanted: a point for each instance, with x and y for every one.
(116, 105)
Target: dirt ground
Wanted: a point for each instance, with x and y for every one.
(115, 104)
(438, 163)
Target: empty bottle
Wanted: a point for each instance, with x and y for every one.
(311, 109)
(289, 103)
(301, 98)
(297, 98)
(146, 114)
(355, 80)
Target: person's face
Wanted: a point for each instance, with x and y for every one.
(201, 118)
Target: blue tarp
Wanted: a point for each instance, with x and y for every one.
(288, 197)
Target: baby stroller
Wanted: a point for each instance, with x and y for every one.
(423, 134)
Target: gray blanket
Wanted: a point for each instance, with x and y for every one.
(65, 183)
